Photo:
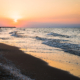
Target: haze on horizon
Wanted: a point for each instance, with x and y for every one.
(28, 13)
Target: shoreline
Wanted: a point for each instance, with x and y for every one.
(34, 67)
(71, 68)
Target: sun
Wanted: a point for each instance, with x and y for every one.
(15, 20)
(15, 17)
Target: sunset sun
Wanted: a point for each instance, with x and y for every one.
(15, 17)
(15, 20)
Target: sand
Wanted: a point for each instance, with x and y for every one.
(73, 69)
(33, 67)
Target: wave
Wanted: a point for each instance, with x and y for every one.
(15, 72)
(66, 47)
(4, 38)
(17, 34)
(11, 71)
(40, 38)
(63, 44)
(56, 34)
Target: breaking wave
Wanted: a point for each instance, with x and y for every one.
(17, 34)
(56, 34)
(10, 70)
(15, 72)
(63, 44)
(66, 47)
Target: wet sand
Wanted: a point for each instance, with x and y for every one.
(33, 67)
(73, 69)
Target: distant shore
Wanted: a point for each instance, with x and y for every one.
(31, 66)
(7, 27)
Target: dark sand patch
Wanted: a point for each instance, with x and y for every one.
(34, 67)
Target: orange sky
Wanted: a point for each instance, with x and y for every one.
(22, 12)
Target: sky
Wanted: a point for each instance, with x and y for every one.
(28, 13)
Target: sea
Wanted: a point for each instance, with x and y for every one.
(55, 44)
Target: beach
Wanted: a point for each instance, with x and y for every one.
(40, 53)
(39, 39)
(33, 67)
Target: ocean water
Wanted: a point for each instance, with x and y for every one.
(56, 44)
(64, 42)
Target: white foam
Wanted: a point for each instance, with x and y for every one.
(50, 33)
(15, 72)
